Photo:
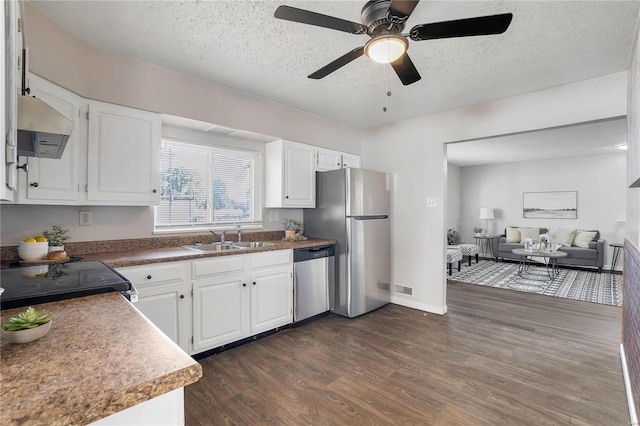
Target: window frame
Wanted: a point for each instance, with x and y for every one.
(258, 195)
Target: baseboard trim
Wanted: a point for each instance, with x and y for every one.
(627, 385)
(440, 310)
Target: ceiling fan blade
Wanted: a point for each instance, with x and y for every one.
(294, 14)
(403, 66)
(400, 10)
(483, 25)
(338, 63)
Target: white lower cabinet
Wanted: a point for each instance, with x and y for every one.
(164, 292)
(220, 311)
(240, 296)
(206, 303)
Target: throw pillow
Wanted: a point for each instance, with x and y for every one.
(565, 236)
(583, 238)
(513, 235)
(533, 233)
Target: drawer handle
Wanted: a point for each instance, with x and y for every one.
(148, 277)
(244, 284)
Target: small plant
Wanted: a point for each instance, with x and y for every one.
(57, 236)
(477, 230)
(452, 233)
(290, 224)
(31, 318)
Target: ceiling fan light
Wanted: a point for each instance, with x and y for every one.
(385, 49)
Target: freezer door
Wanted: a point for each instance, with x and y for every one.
(367, 193)
(369, 261)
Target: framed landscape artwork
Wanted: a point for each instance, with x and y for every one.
(550, 205)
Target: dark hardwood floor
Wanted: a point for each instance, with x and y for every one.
(498, 357)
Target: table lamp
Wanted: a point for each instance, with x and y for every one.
(486, 213)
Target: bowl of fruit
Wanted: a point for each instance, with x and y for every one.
(33, 248)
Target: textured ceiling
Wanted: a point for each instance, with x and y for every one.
(240, 45)
(596, 138)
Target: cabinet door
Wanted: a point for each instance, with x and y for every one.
(271, 298)
(299, 175)
(220, 311)
(123, 155)
(351, 160)
(54, 181)
(166, 307)
(329, 160)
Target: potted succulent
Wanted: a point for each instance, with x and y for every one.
(56, 237)
(478, 231)
(452, 236)
(28, 326)
(290, 227)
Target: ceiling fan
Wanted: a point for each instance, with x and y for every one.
(383, 21)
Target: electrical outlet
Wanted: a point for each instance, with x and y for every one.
(431, 202)
(274, 215)
(85, 218)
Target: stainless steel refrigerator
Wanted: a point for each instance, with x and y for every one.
(353, 208)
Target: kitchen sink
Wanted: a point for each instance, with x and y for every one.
(254, 244)
(214, 247)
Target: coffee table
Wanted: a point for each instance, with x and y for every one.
(550, 259)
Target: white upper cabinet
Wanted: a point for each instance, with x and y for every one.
(351, 160)
(48, 180)
(290, 179)
(123, 155)
(329, 159)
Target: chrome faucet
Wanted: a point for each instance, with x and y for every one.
(220, 237)
(239, 234)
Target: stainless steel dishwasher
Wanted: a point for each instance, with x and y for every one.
(313, 274)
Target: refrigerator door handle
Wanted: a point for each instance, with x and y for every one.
(372, 217)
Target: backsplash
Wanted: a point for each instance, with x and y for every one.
(631, 318)
(90, 247)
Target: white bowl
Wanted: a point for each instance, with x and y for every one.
(28, 335)
(33, 251)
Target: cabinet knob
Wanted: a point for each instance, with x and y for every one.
(254, 283)
(286, 196)
(154, 191)
(338, 164)
(344, 165)
(182, 296)
(148, 277)
(244, 284)
(34, 184)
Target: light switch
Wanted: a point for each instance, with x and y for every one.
(431, 202)
(85, 218)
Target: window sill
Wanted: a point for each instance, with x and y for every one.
(201, 229)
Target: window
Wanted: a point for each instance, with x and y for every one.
(204, 186)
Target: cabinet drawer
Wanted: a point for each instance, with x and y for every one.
(271, 258)
(222, 265)
(156, 274)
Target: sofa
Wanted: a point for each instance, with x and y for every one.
(590, 256)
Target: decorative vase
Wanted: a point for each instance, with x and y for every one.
(289, 233)
(56, 248)
(27, 335)
(478, 234)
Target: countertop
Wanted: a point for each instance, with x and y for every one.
(100, 357)
(119, 259)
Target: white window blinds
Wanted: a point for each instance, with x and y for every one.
(205, 186)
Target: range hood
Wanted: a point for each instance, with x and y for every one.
(42, 131)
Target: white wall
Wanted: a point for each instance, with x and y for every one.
(599, 181)
(18, 222)
(412, 151)
(633, 158)
(453, 197)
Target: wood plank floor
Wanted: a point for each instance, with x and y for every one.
(499, 357)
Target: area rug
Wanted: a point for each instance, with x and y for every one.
(588, 286)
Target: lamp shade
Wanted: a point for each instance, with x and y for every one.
(486, 213)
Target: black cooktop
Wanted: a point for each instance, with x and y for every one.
(31, 285)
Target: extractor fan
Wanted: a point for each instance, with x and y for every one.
(383, 21)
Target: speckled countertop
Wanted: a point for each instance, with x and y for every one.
(119, 259)
(100, 357)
